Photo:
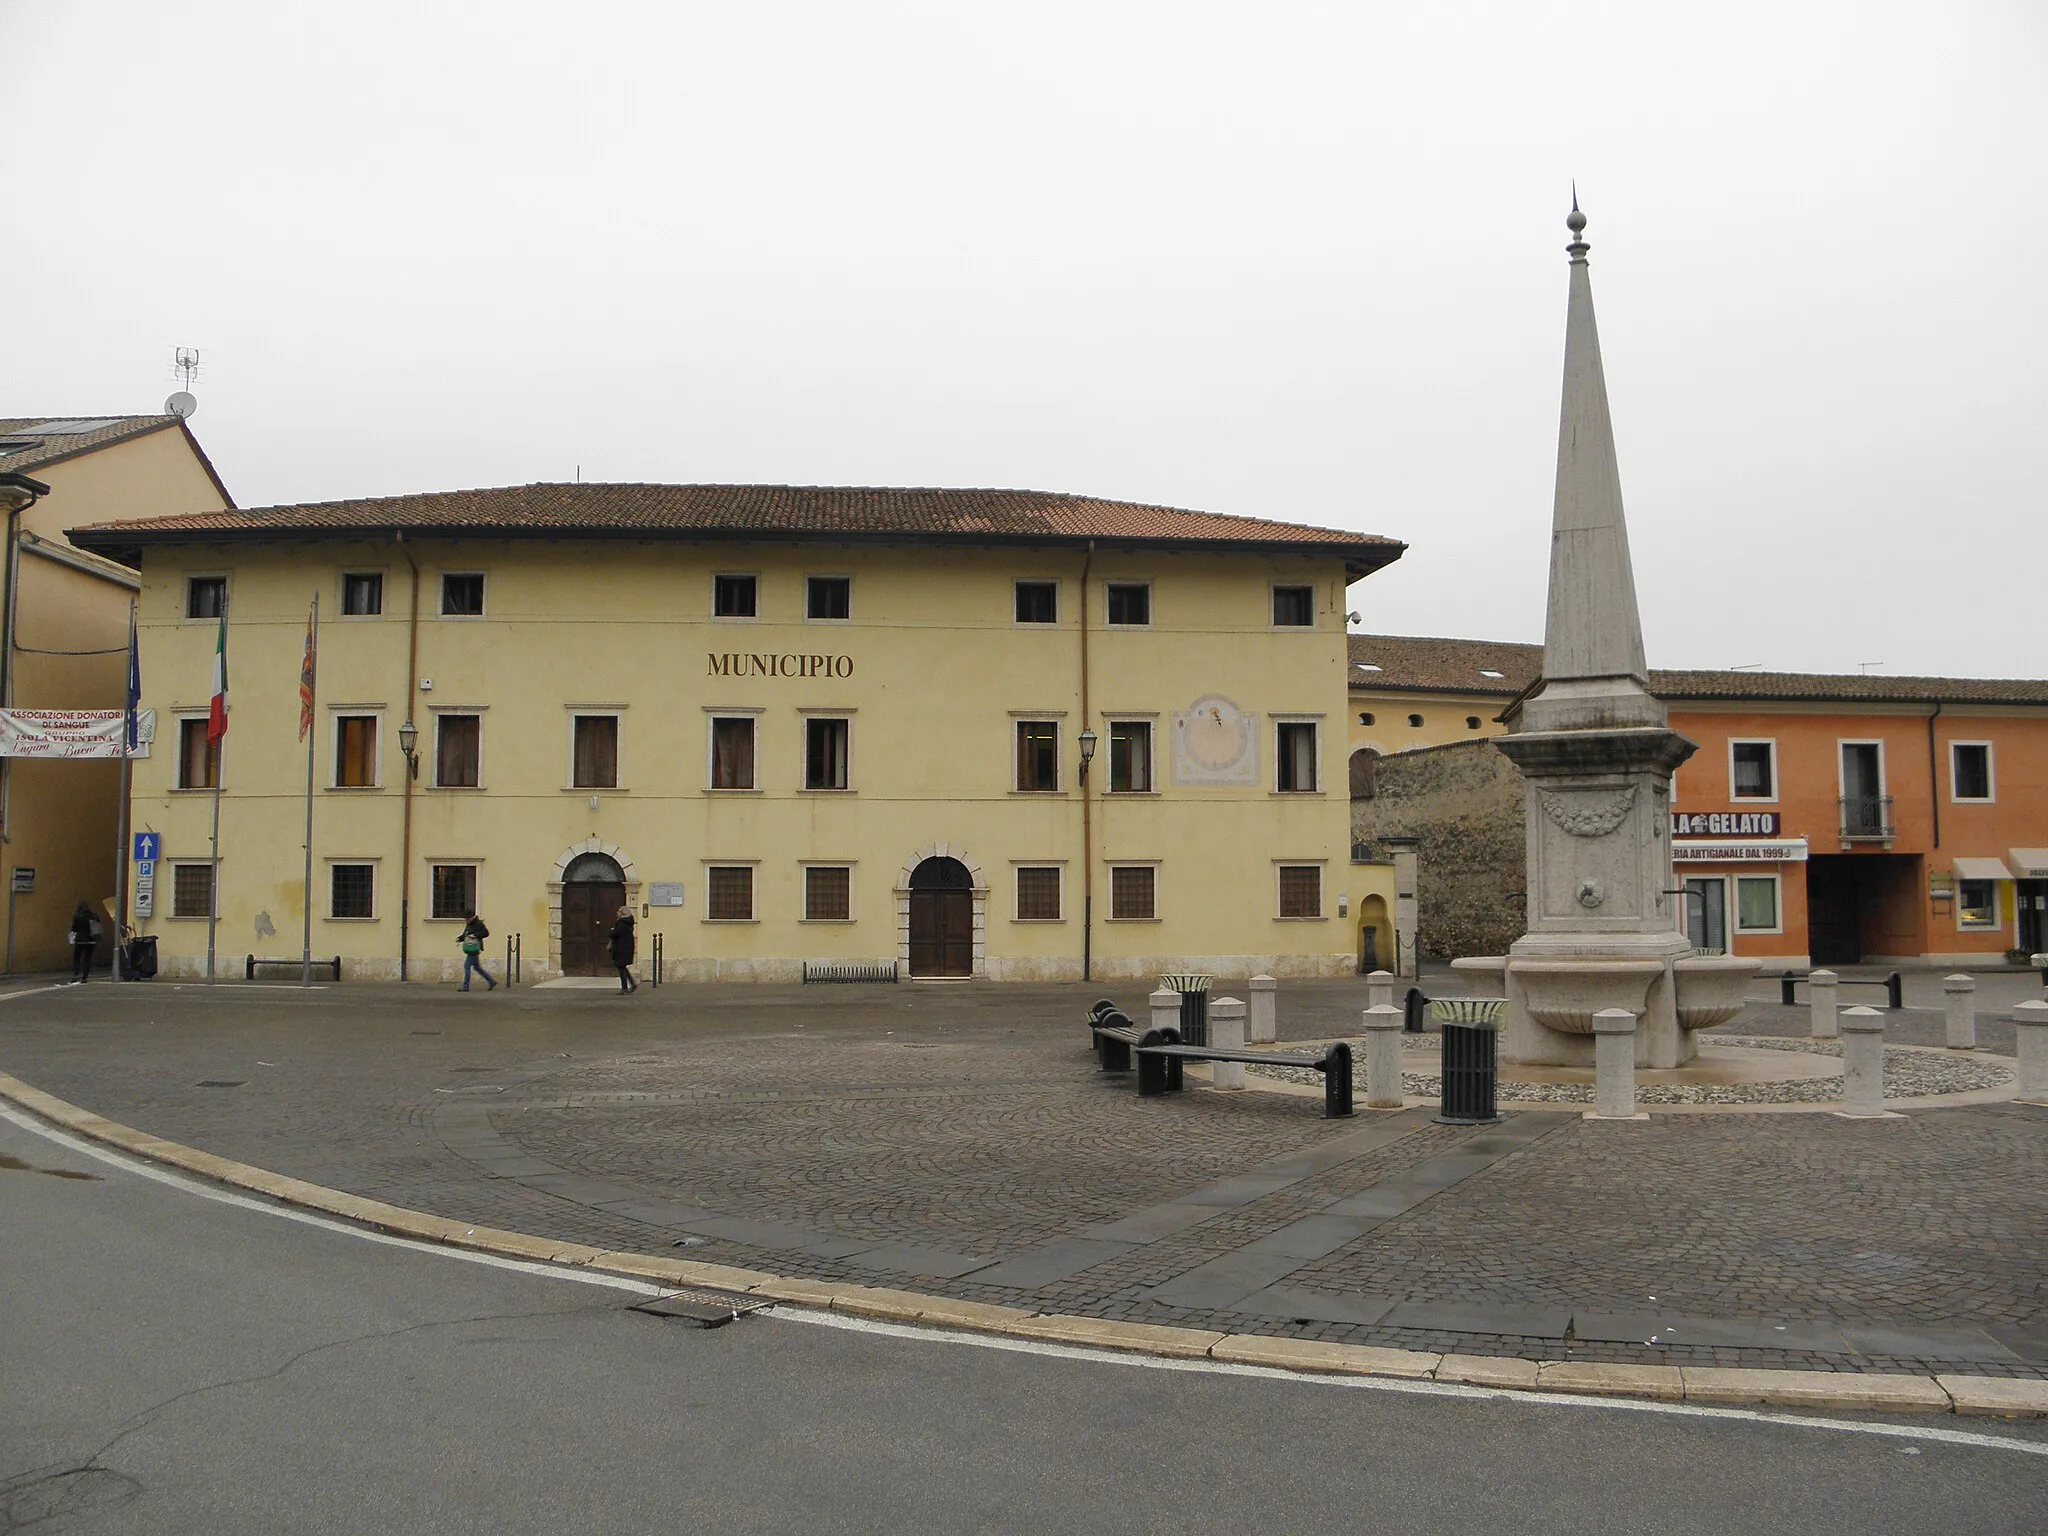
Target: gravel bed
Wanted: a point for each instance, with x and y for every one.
(1908, 1074)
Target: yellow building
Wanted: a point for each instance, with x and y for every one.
(1410, 691)
(1000, 734)
(65, 630)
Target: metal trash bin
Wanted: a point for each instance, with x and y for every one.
(139, 957)
(1413, 1007)
(1470, 1065)
(1193, 988)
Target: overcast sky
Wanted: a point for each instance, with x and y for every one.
(1292, 260)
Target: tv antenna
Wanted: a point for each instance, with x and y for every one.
(1867, 665)
(185, 364)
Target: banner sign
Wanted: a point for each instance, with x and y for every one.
(73, 732)
(1724, 823)
(1789, 850)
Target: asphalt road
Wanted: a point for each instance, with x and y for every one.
(175, 1362)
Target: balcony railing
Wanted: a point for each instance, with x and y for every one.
(1867, 816)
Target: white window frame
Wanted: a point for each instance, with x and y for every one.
(336, 713)
(376, 888)
(1150, 720)
(474, 864)
(1109, 889)
(178, 784)
(1059, 868)
(804, 893)
(1038, 581)
(803, 741)
(1151, 601)
(1842, 774)
(433, 748)
(753, 714)
(227, 596)
(1314, 722)
(1968, 926)
(1990, 775)
(811, 576)
(1735, 922)
(1322, 869)
(441, 596)
(1018, 718)
(341, 592)
(171, 914)
(1273, 601)
(1754, 741)
(735, 618)
(753, 890)
(594, 711)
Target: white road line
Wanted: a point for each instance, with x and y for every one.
(1926, 1434)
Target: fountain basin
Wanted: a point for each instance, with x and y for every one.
(1712, 989)
(1565, 994)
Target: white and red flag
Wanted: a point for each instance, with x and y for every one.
(217, 715)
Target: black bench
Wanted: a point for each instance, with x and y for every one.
(1160, 1063)
(1894, 987)
(1113, 1036)
(331, 965)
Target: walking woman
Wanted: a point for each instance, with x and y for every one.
(622, 950)
(473, 935)
(85, 938)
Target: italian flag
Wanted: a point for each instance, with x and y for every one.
(217, 715)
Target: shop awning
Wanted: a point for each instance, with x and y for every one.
(2029, 863)
(1981, 869)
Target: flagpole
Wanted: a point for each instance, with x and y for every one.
(219, 745)
(308, 684)
(220, 757)
(120, 912)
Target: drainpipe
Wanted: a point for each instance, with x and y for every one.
(1087, 819)
(412, 673)
(1934, 775)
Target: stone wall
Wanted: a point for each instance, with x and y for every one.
(1463, 803)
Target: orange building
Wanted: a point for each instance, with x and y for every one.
(1824, 819)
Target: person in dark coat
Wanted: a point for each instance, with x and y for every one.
(622, 950)
(85, 938)
(472, 941)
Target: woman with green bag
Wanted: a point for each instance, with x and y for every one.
(473, 935)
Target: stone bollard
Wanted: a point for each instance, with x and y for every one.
(1383, 1054)
(1165, 1009)
(1862, 1061)
(1614, 1064)
(1822, 988)
(1379, 989)
(1960, 993)
(1263, 1026)
(2030, 1024)
(1226, 1033)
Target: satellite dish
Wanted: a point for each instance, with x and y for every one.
(183, 403)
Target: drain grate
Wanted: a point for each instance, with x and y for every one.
(701, 1308)
(223, 1082)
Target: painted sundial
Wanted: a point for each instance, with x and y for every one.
(1215, 742)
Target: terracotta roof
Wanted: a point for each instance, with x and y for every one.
(747, 512)
(1412, 664)
(41, 447)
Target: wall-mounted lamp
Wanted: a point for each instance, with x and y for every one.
(408, 743)
(1087, 751)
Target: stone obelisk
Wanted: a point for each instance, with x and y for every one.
(1598, 753)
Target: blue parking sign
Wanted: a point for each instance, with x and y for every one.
(147, 847)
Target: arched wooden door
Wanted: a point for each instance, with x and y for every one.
(593, 890)
(941, 919)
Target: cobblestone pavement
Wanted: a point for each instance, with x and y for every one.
(958, 1140)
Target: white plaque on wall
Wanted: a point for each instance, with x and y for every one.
(664, 893)
(1215, 742)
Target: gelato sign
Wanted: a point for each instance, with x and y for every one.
(73, 732)
(1724, 823)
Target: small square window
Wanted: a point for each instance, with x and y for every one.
(1976, 904)
(462, 596)
(198, 758)
(1038, 602)
(458, 751)
(1294, 607)
(1038, 755)
(1301, 890)
(454, 890)
(732, 753)
(1132, 888)
(828, 597)
(828, 893)
(355, 751)
(1130, 757)
(362, 594)
(825, 746)
(1295, 769)
(733, 597)
(191, 890)
(1971, 765)
(1754, 770)
(206, 597)
(730, 897)
(1038, 893)
(1756, 903)
(595, 762)
(1130, 602)
(353, 888)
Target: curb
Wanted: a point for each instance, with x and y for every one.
(1995, 1396)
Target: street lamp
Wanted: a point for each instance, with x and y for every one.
(1087, 751)
(408, 743)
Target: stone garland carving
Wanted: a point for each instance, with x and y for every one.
(1589, 815)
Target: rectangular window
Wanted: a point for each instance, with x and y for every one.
(732, 597)
(191, 890)
(825, 743)
(1753, 770)
(206, 597)
(1976, 904)
(730, 897)
(1970, 770)
(362, 595)
(828, 893)
(458, 751)
(1130, 602)
(1756, 903)
(1301, 890)
(198, 758)
(1295, 766)
(1038, 755)
(352, 887)
(595, 763)
(1038, 893)
(1130, 757)
(462, 596)
(1294, 607)
(828, 597)
(732, 753)
(454, 890)
(1131, 892)
(355, 751)
(1038, 602)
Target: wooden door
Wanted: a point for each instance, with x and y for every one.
(588, 911)
(942, 933)
(1834, 910)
